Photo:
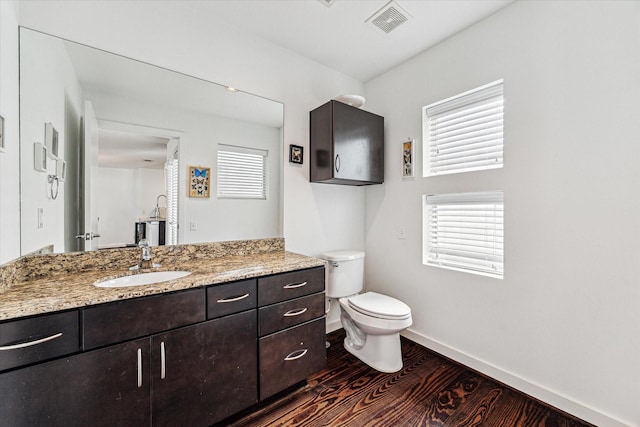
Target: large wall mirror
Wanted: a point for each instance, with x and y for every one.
(112, 147)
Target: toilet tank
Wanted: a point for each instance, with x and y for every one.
(346, 273)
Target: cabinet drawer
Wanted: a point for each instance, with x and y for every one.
(125, 320)
(231, 298)
(39, 338)
(282, 287)
(290, 356)
(290, 313)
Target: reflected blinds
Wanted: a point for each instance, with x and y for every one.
(465, 132)
(465, 232)
(171, 173)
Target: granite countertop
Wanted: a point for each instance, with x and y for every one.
(62, 291)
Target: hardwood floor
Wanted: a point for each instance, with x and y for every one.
(429, 391)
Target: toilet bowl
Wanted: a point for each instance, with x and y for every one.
(372, 321)
(373, 334)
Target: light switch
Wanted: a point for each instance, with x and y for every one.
(402, 234)
(40, 218)
(193, 226)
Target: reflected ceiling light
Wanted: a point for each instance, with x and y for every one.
(231, 89)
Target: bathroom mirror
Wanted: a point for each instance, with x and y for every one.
(129, 133)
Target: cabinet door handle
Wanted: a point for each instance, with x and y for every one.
(295, 312)
(233, 299)
(139, 367)
(163, 368)
(294, 285)
(296, 355)
(337, 162)
(30, 343)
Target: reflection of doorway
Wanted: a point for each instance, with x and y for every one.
(131, 179)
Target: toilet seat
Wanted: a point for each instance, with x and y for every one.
(379, 306)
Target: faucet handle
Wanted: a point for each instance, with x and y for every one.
(143, 243)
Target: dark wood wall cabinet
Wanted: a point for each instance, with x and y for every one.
(192, 357)
(346, 145)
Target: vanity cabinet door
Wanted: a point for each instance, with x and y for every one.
(37, 339)
(283, 315)
(205, 372)
(281, 287)
(290, 356)
(115, 322)
(107, 387)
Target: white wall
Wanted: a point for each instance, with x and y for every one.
(49, 78)
(9, 159)
(172, 35)
(563, 324)
(125, 196)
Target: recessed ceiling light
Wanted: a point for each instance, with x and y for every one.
(231, 89)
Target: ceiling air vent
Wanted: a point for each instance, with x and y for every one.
(390, 17)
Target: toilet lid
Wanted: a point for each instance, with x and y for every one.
(380, 306)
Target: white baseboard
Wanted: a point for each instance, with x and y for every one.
(563, 403)
(333, 326)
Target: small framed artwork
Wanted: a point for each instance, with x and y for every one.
(51, 140)
(407, 159)
(296, 154)
(199, 179)
(39, 157)
(1, 134)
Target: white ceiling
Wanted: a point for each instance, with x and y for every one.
(338, 36)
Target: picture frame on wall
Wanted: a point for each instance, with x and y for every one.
(199, 181)
(408, 159)
(296, 154)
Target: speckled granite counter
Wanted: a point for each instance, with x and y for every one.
(65, 281)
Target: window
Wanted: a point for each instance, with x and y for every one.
(241, 173)
(171, 174)
(464, 133)
(464, 232)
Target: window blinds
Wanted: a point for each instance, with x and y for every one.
(241, 173)
(465, 132)
(171, 173)
(465, 232)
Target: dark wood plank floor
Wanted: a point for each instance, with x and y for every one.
(429, 391)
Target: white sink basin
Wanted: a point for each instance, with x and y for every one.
(141, 279)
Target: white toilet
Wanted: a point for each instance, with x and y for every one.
(372, 321)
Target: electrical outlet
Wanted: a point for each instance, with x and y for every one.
(402, 234)
(193, 226)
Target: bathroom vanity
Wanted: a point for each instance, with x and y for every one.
(192, 351)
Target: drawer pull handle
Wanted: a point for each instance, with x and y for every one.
(295, 312)
(30, 343)
(233, 299)
(139, 368)
(296, 355)
(294, 285)
(163, 370)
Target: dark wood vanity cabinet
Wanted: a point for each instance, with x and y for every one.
(205, 373)
(292, 328)
(346, 145)
(106, 387)
(192, 357)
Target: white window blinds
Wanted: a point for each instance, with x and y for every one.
(241, 172)
(465, 132)
(171, 173)
(465, 232)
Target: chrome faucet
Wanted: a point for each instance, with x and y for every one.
(156, 211)
(145, 260)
